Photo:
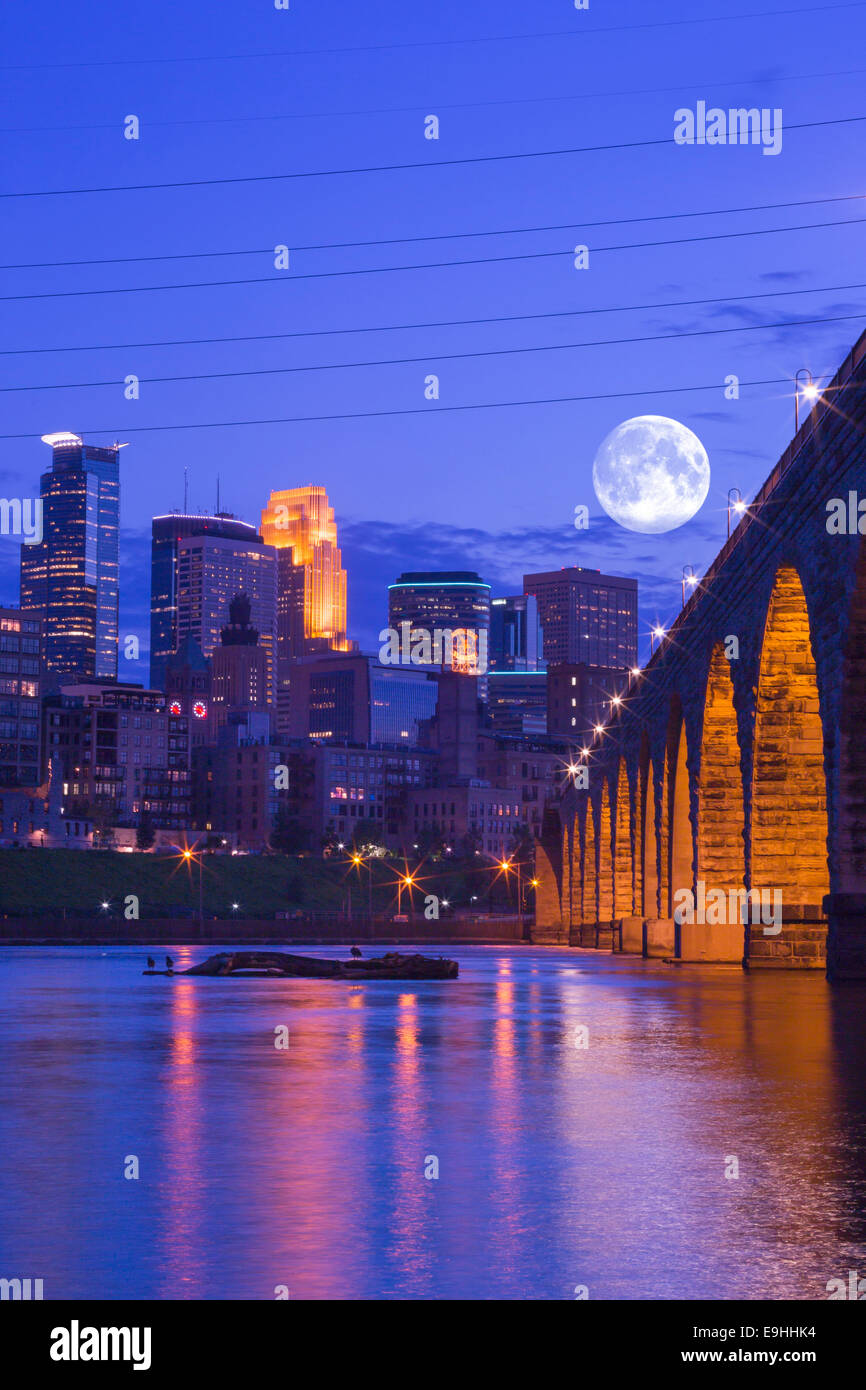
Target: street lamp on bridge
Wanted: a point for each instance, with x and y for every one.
(809, 391)
(690, 579)
(735, 504)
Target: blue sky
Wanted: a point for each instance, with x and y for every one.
(488, 489)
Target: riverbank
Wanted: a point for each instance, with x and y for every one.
(55, 931)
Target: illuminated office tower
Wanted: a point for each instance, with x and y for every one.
(446, 600)
(211, 570)
(167, 532)
(311, 581)
(71, 576)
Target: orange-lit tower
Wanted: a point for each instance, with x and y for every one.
(311, 581)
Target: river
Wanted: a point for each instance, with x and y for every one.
(631, 1129)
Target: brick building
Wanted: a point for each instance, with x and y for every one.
(122, 753)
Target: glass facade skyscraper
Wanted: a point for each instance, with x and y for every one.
(166, 534)
(586, 617)
(515, 634)
(211, 570)
(446, 600)
(311, 582)
(71, 576)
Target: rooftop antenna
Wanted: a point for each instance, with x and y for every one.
(218, 495)
(186, 491)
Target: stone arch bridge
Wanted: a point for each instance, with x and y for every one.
(735, 762)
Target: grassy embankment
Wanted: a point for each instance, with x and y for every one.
(41, 883)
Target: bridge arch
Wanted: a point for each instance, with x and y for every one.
(647, 869)
(721, 858)
(589, 899)
(677, 847)
(789, 792)
(623, 856)
(605, 854)
(849, 858)
(568, 831)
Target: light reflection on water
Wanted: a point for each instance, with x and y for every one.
(558, 1165)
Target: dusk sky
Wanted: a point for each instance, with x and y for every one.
(234, 91)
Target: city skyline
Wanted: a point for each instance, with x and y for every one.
(181, 530)
(739, 278)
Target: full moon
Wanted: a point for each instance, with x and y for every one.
(651, 474)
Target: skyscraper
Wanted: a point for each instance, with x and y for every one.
(166, 534)
(589, 630)
(515, 634)
(446, 600)
(586, 616)
(311, 581)
(71, 576)
(210, 571)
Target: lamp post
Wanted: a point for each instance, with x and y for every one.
(656, 635)
(358, 860)
(735, 504)
(405, 881)
(808, 390)
(189, 856)
(690, 579)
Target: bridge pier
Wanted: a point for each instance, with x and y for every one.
(800, 945)
(718, 944)
(846, 936)
(658, 937)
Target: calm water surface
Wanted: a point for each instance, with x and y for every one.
(558, 1165)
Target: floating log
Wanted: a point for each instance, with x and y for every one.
(391, 966)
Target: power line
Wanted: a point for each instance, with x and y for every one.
(436, 323)
(386, 168)
(425, 265)
(434, 105)
(440, 236)
(431, 357)
(419, 410)
(438, 43)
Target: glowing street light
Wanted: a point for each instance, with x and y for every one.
(357, 861)
(656, 635)
(809, 391)
(188, 856)
(735, 505)
(405, 881)
(635, 671)
(690, 579)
